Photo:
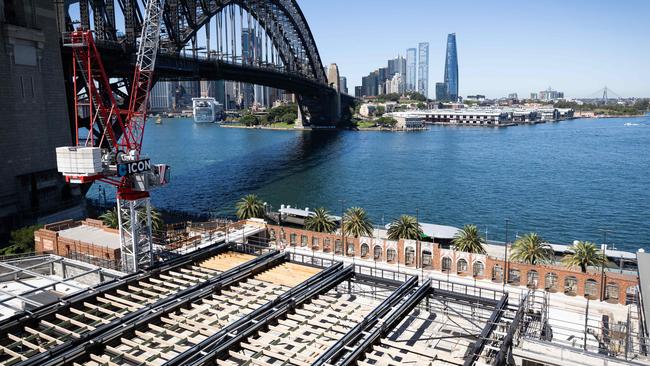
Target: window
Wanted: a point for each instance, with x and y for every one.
(497, 273)
(532, 278)
(631, 295)
(350, 249)
(461, 265)
(591, 289)
(304, 240)
(377, 252)
(410, 256)
(314, 242)
(364, 250)
(338, 247)
(550, 282)
(611, 292)
(292, 238)
(570, 285)
(514, 276)
(391, 254)
(272, 234)
(426, 258)
(327, 245)
(446, 264)
(478, 269)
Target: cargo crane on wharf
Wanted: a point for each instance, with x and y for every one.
(112, 150)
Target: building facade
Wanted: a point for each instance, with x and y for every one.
(619, 288)
(441, 92)
(411, 67)
(423, 68)
(451, 68)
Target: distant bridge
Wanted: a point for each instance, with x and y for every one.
(264, 42)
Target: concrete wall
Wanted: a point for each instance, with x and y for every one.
(34, 114)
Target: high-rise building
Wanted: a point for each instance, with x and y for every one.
(451, 68)
(441, 92)
(160, 98)
(358, 91)
(343, 82)
(411, 63)
(423, 69)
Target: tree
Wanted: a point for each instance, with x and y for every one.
(421, 105)
(380, 110)
(389, 122)
(321, 221)
(249, 120)
(289, 117)
(357, 223)
(109, 218)
(405, 227)
(583, 254)
(469, 240)
(531, 249)
(22, 241)
(417, 97)
(249, 206)
(275, 114)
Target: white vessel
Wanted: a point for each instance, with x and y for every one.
(206, 110)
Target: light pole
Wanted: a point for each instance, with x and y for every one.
(342, 229)
(603, 249)
(418, 245)
(505, 257)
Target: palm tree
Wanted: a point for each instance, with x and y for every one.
(357, 223)
(406, 227)
(249, 206)
(109, 218)
(531, 249)
(469, 240)
(583, 254)
(320, 222)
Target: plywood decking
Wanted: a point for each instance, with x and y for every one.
(226, 261)
(288, 274)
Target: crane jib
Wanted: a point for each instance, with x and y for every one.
(133, 167)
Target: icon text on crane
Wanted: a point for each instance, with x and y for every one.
(133, 167)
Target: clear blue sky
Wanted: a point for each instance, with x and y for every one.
(503, 46)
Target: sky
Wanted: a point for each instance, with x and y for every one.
(503, 46)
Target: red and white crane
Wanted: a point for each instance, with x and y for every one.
(112, 150)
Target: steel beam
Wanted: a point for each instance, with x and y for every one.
(477, 347)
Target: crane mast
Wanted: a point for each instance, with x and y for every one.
(112, 150)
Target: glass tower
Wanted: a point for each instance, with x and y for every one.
(410, 69)
(423, 69)
(451, 68)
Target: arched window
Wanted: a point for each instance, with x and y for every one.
(570, 285)
(314, 243)
(410, 256)
(391, 255)
(532, 278)
(338, 247)
(514, 276)
(550, 282)
(497, 273)
(364, 250)
(591, 289)
(377, 252)
(304, 240)
(461, 265)
(478, 269)
(426, 259)
(292, 239)
(327, 245)
(611, 292)
(272, 234)
(631, 295)
(283, 235)
(350, 249)
(446, 264)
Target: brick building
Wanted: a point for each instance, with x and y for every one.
(621, 288)
(88, 240)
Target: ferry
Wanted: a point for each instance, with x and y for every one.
(206, 110)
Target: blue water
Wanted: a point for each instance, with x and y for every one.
(563, 180)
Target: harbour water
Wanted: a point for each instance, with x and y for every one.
(563, 180)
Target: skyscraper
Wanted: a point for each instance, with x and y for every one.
(423, 69)
(441, 92)
(451, 68)
(410, 68)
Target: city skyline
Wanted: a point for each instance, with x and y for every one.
(578, 47)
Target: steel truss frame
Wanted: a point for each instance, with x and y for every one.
(134, 218)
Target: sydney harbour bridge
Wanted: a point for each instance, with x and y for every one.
(263, 42)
